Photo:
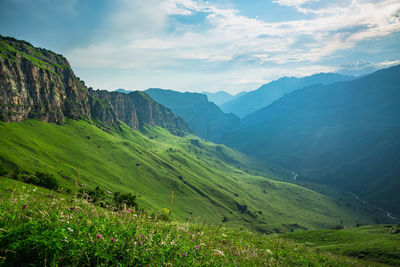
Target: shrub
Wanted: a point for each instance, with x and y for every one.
(120, 199)
(46, 180)
(97, 195)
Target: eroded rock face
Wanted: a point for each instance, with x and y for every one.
(31, 92)
(38, 84)
(121, 105)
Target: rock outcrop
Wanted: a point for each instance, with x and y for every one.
(36, 83)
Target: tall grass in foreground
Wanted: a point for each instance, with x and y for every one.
(41, 227)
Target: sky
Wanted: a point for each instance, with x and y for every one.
(195, 45)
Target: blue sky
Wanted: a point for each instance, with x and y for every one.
(193, 45)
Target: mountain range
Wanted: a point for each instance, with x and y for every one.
(270, 92)
(344, 134)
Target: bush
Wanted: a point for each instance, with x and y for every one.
(46, 180)
(97, 195)
(120, 199)
(42, 179)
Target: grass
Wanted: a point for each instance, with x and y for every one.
(211, 183)
(370, 242)
(41, 227)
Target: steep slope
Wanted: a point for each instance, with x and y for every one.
(270, 92)
(38, 84)
(345, 134)
(205, 118)
(211, 183)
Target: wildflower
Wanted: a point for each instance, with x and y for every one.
(59, 260)
(99, 236)
(25, 206)
(113, 240)
(69, 229)
(236, 253)
(140, 243)
(184, 255)
(218, 252)
(73, 208)
(196, 247)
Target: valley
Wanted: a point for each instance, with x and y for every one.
(194, 198)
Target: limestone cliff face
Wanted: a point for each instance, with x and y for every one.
(121, 106)
(31, 91)
(38, 84)
(138, 109)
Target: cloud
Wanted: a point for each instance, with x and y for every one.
(365, 67)
(144, 35)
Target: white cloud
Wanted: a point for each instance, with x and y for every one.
(139, 36)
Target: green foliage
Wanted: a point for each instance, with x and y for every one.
(46, 180)
(96, 196)
(127, 199)
(63, 230)
(42, 179)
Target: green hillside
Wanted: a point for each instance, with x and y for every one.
(370, 242)
(211, 183)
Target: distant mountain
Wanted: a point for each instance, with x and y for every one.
(345, 134)
(205, 118)
(270, 92)
(221, 97)
(121, 90)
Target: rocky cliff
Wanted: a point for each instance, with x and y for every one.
(36, 83)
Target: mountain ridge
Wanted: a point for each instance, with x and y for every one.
(343, 134)
(205, 118)
(39, 84)
(270, 92)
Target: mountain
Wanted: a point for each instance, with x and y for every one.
(124, 143)
(345, 134)
(270, 92)
(39, 84)
(205, 118)
(221, 97)
(121, 90)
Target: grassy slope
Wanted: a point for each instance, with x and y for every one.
(39, 227)
(372, 242)
(205, 178)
